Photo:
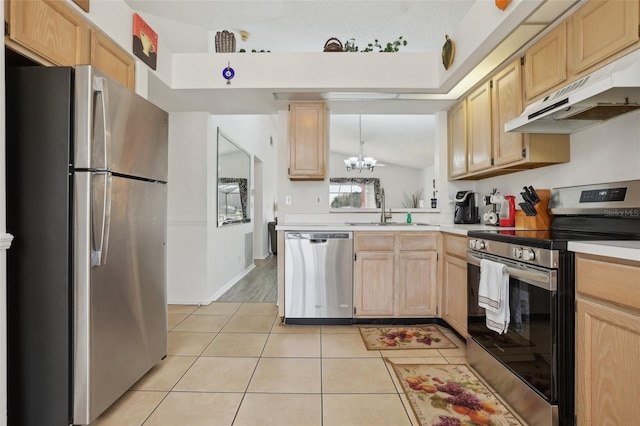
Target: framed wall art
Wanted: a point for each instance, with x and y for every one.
(145, 42)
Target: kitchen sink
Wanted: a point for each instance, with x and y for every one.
(387, 224)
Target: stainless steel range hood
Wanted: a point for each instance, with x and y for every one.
(608, 92)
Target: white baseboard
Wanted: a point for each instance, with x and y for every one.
(230, 284)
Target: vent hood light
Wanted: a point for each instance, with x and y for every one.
(606, 93)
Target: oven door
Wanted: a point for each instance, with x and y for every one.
(529, 346)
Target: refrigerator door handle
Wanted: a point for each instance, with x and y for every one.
(101, 186)
(102, 155)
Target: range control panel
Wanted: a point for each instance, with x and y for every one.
(603, 195)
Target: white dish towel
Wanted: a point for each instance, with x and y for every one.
(493, 295)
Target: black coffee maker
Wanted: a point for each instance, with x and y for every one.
(466, 210)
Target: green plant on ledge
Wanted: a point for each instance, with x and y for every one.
(392, 46)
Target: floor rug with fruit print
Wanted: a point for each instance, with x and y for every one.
(414, 337)
(451, 395)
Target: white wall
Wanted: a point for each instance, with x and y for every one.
(204, 260)
(253, 133)
(187, 208)
(606, 152)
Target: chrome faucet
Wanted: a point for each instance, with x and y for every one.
(383, 216)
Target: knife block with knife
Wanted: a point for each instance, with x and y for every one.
(535, 212)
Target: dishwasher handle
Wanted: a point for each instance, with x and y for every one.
(318, 237)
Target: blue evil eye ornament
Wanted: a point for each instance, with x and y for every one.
(228, 73)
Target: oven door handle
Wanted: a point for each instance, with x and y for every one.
(542, 280)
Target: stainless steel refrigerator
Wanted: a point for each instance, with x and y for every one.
(86, 203)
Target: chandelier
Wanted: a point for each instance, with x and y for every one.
(360, 162)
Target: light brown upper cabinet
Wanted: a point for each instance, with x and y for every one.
(546, 62)
(109, 58)
(49, 29)
(601, 28)
(518, 150)
(457, 134)
(307, 141)
(490, 150)
(506, 102)
(52, 33)
(479, 129)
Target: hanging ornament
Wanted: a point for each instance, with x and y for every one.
(448, 52)
(502, 4)
(228, 73)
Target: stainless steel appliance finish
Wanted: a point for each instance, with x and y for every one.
(88, 203)
(535, 409)
(532, 365)
(614, 199)
(529, 346)
(546, 279)
(518, 252)
(612, 90)
(318, 275)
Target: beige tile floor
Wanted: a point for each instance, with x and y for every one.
(234, 364)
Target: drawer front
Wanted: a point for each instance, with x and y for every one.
(613, 282)
(418, 241)
(374, 241)
(455, 245)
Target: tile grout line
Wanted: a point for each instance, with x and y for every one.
(177, 381)
(244, 394)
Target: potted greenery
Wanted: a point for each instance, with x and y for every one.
(392, 46)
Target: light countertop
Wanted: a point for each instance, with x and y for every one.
(413, 227)
(629, 250)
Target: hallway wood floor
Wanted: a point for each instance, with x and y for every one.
(258, 286)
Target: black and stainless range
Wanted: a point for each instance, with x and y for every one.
(532, 364)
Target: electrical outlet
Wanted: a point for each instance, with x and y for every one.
(318, 199)
(288, 200)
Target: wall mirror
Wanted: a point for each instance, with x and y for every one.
(234, 174)
(403, 146)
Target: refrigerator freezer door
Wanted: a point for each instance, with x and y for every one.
(38, 266)
(121, 307)
(117, 129)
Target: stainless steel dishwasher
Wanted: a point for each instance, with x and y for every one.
(318, 275)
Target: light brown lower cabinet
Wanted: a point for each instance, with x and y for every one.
(417, 290)
(373, 279)
(607, 341)
(454, 282)
(395, 274)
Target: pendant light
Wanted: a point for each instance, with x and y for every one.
(360, 162)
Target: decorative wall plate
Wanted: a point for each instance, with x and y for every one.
(448, 53)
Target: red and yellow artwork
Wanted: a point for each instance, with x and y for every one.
(145, 42)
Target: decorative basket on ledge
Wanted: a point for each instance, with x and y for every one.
(225, 42)
(333, 45)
